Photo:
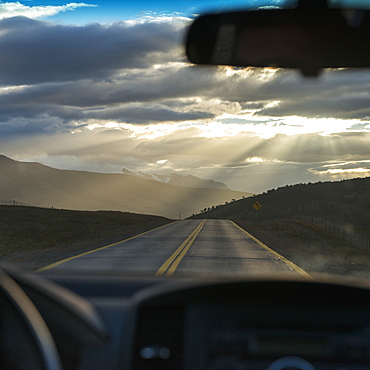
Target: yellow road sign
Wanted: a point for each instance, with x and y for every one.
(257, 205)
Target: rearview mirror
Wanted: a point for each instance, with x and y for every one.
(308, 39)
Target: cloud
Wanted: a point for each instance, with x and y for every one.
(140, 114)
(133, 86)
(103, 97)
(186, 148)
(14, 9)
(344, 169)
(36, 52)
(92, 71)
(343, 107)
(243, 161)
(339, 94)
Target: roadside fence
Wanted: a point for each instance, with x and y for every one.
(13, 203)
(355, 239)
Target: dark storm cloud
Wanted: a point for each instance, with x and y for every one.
(341, 94)
(134, 98)
(145, 115)
(338, 94)
(37, 111)
(124, 113)
(88, 76)
(253, 105)
(34, 51)
(21, 127)
(40, 119)
(347, 107)
(150, 85)
(102, 66)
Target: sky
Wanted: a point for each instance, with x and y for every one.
(105, 85)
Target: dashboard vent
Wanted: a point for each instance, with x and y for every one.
(159, 338)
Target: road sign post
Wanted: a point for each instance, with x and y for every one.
(257, 206)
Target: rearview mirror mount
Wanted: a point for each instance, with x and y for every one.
(308, 38)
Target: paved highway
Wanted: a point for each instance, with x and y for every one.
(210, 247)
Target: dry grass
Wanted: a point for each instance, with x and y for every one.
(311, 247)
(33, 237)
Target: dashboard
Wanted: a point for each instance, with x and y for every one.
(128, 322)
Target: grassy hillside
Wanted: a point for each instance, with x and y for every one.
(344, 203)
(40, 185)
(25, 231)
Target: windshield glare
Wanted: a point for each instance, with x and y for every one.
(108, 132)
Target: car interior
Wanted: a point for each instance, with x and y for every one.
(55, 319)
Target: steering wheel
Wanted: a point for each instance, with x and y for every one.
(25, 340)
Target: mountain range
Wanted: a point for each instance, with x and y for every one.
(40, 185)
(174, 178)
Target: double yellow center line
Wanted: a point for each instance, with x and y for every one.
(169, 267)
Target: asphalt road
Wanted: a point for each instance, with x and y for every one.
(210, 247)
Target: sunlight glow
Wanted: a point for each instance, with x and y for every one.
(345, 163)
(338, 171)
(227, 125)
(263, 75)
(254, 159)
(7, 89)
(169, 65)
(219, 129)
(351, 170)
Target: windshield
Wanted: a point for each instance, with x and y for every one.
(107, 132)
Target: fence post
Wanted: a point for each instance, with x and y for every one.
(357, 240)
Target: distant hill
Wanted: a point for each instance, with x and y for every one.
(345, 202)
(40, 185)
(174, 178)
